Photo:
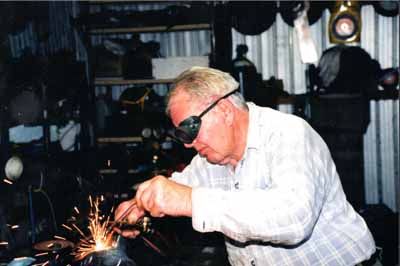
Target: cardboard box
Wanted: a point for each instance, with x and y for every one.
(171, 67)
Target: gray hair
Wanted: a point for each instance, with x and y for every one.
(202, 83)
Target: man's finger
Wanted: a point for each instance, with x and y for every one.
(142, 187)
(122, 208)
(130, 233)
(117, 230)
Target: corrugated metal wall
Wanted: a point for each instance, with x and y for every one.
(61, 36)
(183, 43)
(380, 37)
(275, 53)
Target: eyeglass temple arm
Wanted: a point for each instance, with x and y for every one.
(216, 102)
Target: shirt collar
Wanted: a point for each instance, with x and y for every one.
(253, 136)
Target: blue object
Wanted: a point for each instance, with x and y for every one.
(25, 261)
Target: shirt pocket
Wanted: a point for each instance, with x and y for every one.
(264, 180)
(257, 175)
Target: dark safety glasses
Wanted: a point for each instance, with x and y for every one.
(189, 128)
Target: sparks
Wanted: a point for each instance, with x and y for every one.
(41, 254)
(79, 230)
(76, 209)
(66, 227)
(20, 258)
(100, 237)
(7, 181)
(60, 237)
(3, 243)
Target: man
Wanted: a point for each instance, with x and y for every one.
(263, 178)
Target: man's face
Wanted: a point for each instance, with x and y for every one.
(214, 141)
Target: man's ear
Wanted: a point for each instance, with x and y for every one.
(227, 110)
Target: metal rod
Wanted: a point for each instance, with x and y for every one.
(123, 216)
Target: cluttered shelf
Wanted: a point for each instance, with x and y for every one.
(164, 28)
(119, 139)
(123, 139)
(114, 171)
(121, 81)
(385, 95)
(377, 95)
(100, 2)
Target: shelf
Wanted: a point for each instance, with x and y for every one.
(287, 100)
(120, 81)
(204, 26)
(124, 139)
(377, 95)
(114, 171)
(119, 139)
(385, 95)
(100, 2)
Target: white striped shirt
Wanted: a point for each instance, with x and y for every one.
(283, 204)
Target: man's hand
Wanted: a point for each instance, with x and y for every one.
(161, 196)
(132, 217)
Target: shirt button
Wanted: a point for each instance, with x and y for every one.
(237, 185)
